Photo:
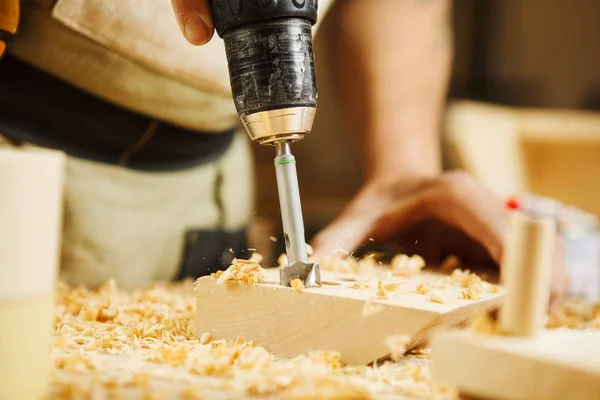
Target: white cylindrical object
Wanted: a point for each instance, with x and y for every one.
(31, 196)
(526, 274)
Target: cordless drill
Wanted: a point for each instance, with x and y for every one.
(272, 73)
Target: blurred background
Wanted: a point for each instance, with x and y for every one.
(523, 112)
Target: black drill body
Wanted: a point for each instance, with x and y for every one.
(274, 86)
(269, 52)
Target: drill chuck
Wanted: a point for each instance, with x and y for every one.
(271, 65)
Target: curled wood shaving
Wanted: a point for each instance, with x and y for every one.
(423, 288)
(309, 249)
(256, 257)
(436, 297)
(390, 283)
(282, 261)
(338, 249)
(470, 294)
(205, 338)
(381, 293)
(403, 265)
(297, 284)
(244, 271)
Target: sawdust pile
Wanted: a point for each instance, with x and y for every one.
(142, 345)
(576, 314)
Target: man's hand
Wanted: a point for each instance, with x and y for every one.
(452, 214)
(382, 209)
(195, 20)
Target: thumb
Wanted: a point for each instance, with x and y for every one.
(194, 19)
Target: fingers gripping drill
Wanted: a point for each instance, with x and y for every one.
(272, 73)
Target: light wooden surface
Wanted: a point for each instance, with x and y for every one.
(549, 152)
(528, 363)
(527, 271)
(556, 365)
(289, 323)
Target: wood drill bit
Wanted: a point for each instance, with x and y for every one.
(293, 224)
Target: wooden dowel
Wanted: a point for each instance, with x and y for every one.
(526, 274)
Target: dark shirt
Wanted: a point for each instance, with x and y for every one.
(40, 109)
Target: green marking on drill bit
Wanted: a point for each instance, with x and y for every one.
(285, 162)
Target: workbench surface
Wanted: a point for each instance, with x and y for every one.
(117, 345)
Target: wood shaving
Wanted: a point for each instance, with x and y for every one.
(256, 257)
(390, 283)
(338, 249)
(436, 297)
(282, 260)
(206, 338)
(470, 294)
(423, 288)
(297, 285)
(309, 249)
(391, 286)
(403, 265)
(381, 293)
(244, 271)
(359, 285)
(397, 345)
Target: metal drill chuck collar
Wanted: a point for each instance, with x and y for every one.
(284, 124)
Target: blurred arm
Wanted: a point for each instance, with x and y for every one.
(392, 63)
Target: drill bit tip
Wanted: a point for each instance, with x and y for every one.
(308, 273)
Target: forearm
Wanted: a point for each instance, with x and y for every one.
(392, 62)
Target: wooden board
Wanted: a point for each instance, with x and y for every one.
(549, 152)
(561, 364)
(289, 323)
